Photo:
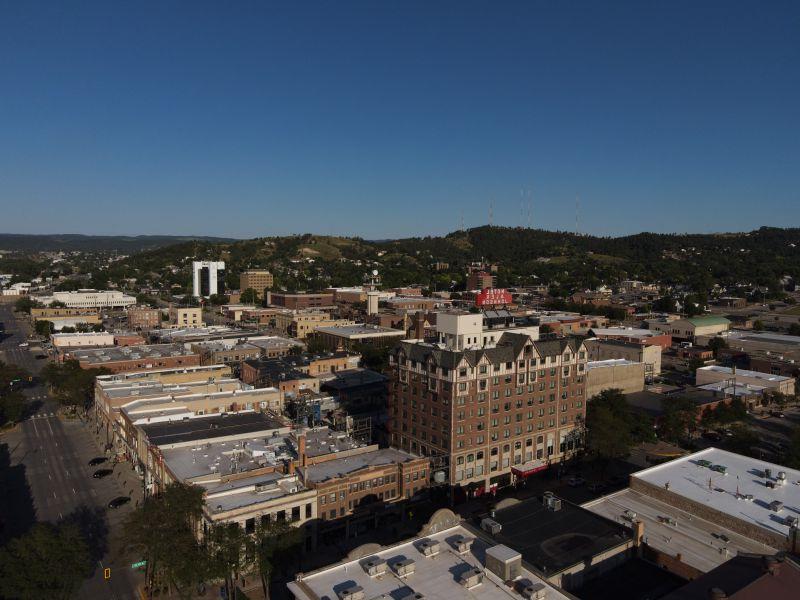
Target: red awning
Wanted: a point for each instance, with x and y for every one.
(529, 468)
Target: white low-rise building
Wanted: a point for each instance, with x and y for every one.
(89, 299)
(733, 377)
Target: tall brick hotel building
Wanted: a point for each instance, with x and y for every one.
(488, 403)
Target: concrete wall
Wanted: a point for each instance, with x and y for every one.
(629, 378)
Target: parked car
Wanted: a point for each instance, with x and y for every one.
(23, 345)
(575, 481)
(97, 461)
(41, 356)
(712, 436)
(596, 487)
(100, 473)
(119, 501)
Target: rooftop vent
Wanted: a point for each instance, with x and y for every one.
(374, 566)
(471, 578)
(491, 526)
(354, 592)
(534, 591)
(462, 544)
(429, 547)
(405, 567)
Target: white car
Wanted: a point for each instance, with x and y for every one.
(23, 345)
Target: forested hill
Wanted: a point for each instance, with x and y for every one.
(525, 256)
(93, 243)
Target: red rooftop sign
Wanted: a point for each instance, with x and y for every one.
(493, 297)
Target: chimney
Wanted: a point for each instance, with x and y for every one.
(772, 565)
(290, 467)
(419, 325)
(638, 532)
(301, 449)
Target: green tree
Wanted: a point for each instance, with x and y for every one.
(794, 329)
(231, 553)
(275, 543)
(163, 530)
(249, 296)
(25, 304)
(47, 562)
(742, 440)
(716, 344)
(679, 419)
(71, 385)
(612, 428)
(758, 325)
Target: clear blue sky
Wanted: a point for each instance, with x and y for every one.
(387, 119)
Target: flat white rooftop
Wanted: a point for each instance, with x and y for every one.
(688, 478)
(435, 577)
(727, 371)
(699, 542)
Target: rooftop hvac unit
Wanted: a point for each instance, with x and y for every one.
(429, 547)
(471, 578)
(354, 592)
(462, 544)
(534, 591)
(781, 475)
(776, 506)
(553, 503)
(491, 526)
(504, 562)
(405, 567)
(374, 566)
(791, 521)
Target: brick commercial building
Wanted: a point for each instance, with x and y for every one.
(256, 279)
(347, 337)
(355, 484)
(135, 358)
(186, 316)
(491, 413)
(143, 318)
(299, 324)
(649, 355)
(480, 280)
(299, 301)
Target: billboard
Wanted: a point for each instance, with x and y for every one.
(493, 297)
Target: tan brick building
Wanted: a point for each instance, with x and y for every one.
(186, 316)
(143, 318)
(256, 279)
(489, 414)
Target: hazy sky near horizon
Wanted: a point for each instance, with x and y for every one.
(390, 119)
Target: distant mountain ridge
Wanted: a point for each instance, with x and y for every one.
(106, 243)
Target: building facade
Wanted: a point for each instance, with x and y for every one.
(256, 279)
(208, 278)
(491, 414)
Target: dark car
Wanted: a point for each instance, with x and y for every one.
(712, 436)
(41, 356)
(97, 461)
(100, 473)
(119, 501)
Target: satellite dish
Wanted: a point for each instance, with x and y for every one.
(375, 272)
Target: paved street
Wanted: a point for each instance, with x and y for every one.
(55, 453)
